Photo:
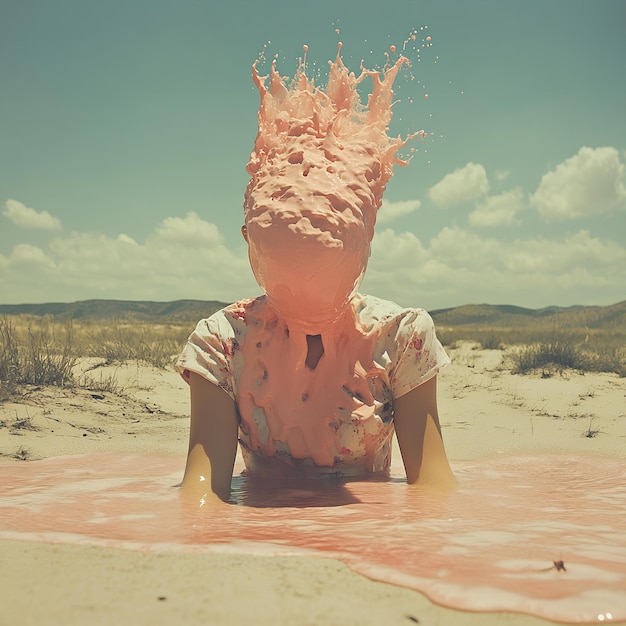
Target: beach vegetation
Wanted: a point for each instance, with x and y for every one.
(38, 356)
(22, 454)
(553, 355)
(23, 423)
(590, 433)
(40, 351)
(104, 383)
(546, 348)
(556, 354)
(490, 340)
(119, 342)
(45, 346)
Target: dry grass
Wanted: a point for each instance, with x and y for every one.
(548, 350)
(39, 351)
(155, 344)
(37, 356)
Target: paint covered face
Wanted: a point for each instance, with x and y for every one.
(308, 274)
(309, 232)
(319, 167)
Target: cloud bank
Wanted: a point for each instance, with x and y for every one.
(458, 266)
(489, 254)
(390, 211)
(181, 258)
(497, 210)
(25, 217)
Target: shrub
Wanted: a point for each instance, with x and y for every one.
(490, 340)
(117, 343)
(547, 356)
(561, 353)
(38, 358)
(35, 351)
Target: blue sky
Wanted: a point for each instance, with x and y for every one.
(125, 128)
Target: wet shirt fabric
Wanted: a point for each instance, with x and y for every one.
(333, 419)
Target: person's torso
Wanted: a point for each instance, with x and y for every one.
(336, 418)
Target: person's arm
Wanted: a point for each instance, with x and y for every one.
(212, 441)
(419, 437)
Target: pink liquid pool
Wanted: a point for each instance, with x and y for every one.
(539, 535)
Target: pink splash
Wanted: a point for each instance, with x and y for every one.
(319, 167)
(496, 544)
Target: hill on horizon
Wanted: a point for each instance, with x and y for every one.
(190, 311)
(177, 311)
(489, 315)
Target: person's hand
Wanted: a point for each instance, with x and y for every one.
(197, 485)
(198, 493)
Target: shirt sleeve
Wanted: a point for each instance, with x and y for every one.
(417, 355)
(209, 351)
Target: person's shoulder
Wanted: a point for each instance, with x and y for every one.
(239, 310)
(225, 320)
(374, 311)
(245, 311)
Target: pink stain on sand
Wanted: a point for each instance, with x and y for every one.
(493, 545)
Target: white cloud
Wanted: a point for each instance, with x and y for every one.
(497, 210)
(458, 266)
(189, 231)
(126, 239)
(589, 183)
(31, 256)
(24, 216)
(463, 185)
(390, 211)
(181, 258)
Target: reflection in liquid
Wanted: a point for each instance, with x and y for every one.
(321, 493)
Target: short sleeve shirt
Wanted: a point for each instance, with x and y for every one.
(340, 424)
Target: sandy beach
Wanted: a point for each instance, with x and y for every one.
(485, 411)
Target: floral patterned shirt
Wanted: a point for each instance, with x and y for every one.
(338, 424)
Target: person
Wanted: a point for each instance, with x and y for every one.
(312, 378)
